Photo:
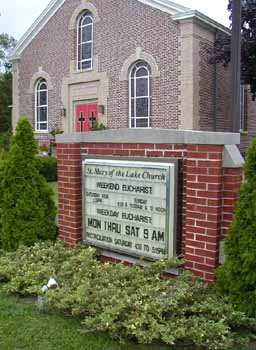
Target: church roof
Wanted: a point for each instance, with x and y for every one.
(166, 6)
(177, 11)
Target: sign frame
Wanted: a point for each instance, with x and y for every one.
(171, 165)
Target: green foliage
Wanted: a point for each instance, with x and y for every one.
(237, 277)
(5, 140)
(27, 211)
(28, 268)
(222, 49)
(97, 126)
(7, 43)
(127, 302)
(5, 103)
(48, 168)
(56, 131)
(3, 156)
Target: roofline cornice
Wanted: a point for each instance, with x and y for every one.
(194, 14)
(163, 5)
(178, 12)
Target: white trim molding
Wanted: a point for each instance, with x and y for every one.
(166, 6)
(38, 75)
(139, 55)
(162, 5)
(85, 5)
(36, 27)
(39, 106)
(179, 12)
(194, 14)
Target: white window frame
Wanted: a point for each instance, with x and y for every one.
(39, 82)
(133, 79)
(79, 28)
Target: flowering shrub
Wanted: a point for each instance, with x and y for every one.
(127, 302)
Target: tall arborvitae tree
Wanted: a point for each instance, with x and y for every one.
(27, 210)
(237, 277)
(222, 50)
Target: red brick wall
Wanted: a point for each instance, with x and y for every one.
(214, 92)
(208, 197)
(116, 37)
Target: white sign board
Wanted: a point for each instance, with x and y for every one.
(128, 207)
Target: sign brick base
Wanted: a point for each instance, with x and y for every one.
(212, 175)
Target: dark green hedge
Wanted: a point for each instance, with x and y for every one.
(48, 168)
(237, 277)
(27, 210)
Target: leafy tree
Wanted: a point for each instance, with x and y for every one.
(237, 277)
(222, 50)
(7, 43)
(27, 211)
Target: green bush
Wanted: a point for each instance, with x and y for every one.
(3, 155)
(237, 277)
(27, 211)
(5, 140)
(48, 168)
(56, 131)
(28, 268)
(2, 164)
(127, 302)
(97, 126)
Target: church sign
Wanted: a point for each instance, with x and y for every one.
(128, 207)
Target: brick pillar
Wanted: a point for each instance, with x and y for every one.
(203, 209)
(69, 193)
(232, 180)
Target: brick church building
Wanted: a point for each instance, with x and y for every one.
(126, 63)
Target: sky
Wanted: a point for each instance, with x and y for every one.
(18, 15)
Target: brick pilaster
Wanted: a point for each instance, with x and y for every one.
(69, 193)
(203, 209)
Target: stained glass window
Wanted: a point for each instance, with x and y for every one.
(140, 95)
(85, 42)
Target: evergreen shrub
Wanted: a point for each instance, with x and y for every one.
(5, 138)
(27, 211)
(127, 302)
(48, 168)
(237, 277)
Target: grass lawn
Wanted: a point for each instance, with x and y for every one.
(54, 187)
(23, 328)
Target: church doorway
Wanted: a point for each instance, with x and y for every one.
(86, 114)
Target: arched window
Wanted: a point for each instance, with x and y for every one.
(140, 95)
(85, 41)
(41, 106)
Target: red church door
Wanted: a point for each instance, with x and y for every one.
(85, 115)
